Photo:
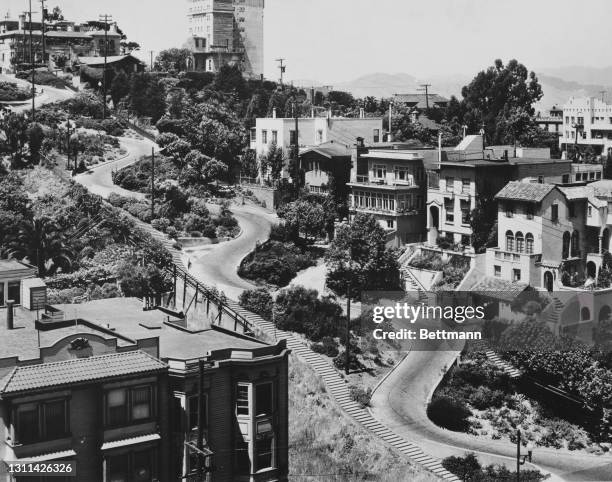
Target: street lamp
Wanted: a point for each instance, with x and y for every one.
(522, 458)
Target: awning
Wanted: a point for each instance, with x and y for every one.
(131, 441)
(64, 454)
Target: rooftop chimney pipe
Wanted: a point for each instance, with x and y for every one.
(274, 113)
(9, 315)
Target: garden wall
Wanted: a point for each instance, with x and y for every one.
(268, 195)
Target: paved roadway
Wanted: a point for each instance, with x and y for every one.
(400, 403)
(49, 94)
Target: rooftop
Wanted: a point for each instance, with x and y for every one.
(419, 100)
(329, 149)
(109, 60)
(525, 191)
(117, 319)
(498, 288)
(79, 370)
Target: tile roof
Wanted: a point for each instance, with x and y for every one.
(602, 188)
(525, 191)
(498, 288)
(124, 442)
(79, 370)
(109, 60)
(329, 150)
(419, 99)
(572, 193)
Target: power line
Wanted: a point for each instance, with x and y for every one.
(282, 69)
(425, 88)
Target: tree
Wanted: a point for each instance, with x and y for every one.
(258, 301)
(15, 128)
(55, 15)
(138, 281)
(304, 217)
(40, 241)
(301, 310)
(157, 100)
(129, 47)
(229, 78)
(165, 139)
(35, 141)
(172, 59)
(499, 98)
(120, 88)
(483, 221)
(358, 259)
(272, 162)
(177, 151)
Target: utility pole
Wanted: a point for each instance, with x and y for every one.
(32, 63)
(426, 89)
(152, 183)
(151, 52)
(282, 68)
(347, 351)
(201, 415)
(105, 18)
(44, 17)
(390, 139)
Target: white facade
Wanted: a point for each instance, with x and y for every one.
(590, 120)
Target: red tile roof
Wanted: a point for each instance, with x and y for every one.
(525, 191)
(78, 371)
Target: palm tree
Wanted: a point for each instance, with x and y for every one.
(39, 240)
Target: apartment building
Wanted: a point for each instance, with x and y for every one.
(313, 132)
(391, 185)
(65, 42)
(551, 122)
(227, 32)
(587, 122)
(124, 391)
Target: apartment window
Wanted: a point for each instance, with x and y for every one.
(529, 243)
(581, 120)
(450, 184)
(598, 175)
(380, 171)
(449, 207)
(137, 466)
(465, 186)
(264, 137)
(529, 211)
(466, 240)
(573, 119)
(565, 179)
(516, 275)
(293, 138)
(40, 421)
(591, 176)
(497, 271)
(129, 405)
(585, 176)
(401, 173)
(242, 399)
(320, 136)
(275, 137)
(376, 135)
(554, 213)
(390, 224)
(520, 242)
(264, 399)
(509, 210)
(264, 453)
(567, 119)
(509, 241)
(253, 135)
(578, 177)
(541, 179)
(589, 211)
(465, 212)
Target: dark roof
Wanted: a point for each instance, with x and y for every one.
(78, 371)
(498, 288)
(109, 60)
(418, 100)
(329, 150)
(525, 191)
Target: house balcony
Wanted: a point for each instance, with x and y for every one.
(410, 211)
(384, 184)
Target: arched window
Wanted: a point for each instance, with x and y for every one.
(566, 245)
(575, 244)
(520, 242)
(529, 243)
(509, 241)
(585, 314)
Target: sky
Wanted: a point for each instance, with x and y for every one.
(340, 40)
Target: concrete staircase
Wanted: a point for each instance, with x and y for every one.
(338, 388)
(552, 313)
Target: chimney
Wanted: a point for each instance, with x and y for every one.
(312, 112)
(361, 113)
(9, 315)
(22, 18)
(360, 142)
(274, 113)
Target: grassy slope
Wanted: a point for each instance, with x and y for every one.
(327, 445)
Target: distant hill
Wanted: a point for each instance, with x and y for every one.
(557, 90)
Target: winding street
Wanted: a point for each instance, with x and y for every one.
(400, 400)
(48, 94)
(400, 403)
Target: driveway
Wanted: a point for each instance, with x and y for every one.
(400, 403)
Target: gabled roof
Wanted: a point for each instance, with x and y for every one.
(78, 371)
(525, 191)
(418, 100)
(329, 149)
(109, 60)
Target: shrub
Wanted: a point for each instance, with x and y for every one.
(280, 232)
(484, 398)
(11, 92)
(259, 301)
(161, 224)
(354, 363)
(361, 396)
(449, 413)
(42, 77)
(193, 222)
(327, 347)
(172, 232)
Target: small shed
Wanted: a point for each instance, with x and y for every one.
(33, 294)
